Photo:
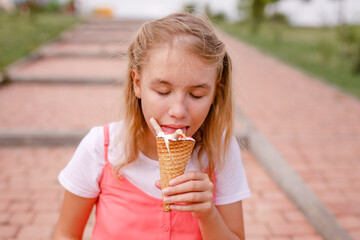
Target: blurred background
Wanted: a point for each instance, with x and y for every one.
(319, 36)
(296, 67)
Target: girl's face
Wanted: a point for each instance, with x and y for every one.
(176, 88)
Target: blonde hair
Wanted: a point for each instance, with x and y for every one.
(214, 135)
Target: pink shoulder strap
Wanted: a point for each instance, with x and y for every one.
(106, 142)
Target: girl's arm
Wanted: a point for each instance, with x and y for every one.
(227, 217)
(216, 222)
(73, 217)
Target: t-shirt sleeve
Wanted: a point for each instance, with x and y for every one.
(231, 183)
(82, 174)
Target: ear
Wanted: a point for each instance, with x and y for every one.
(136, 83)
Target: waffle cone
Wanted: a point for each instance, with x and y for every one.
(172, 164)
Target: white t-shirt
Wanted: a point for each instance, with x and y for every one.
(82, 174)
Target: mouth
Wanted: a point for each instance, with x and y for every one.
(173, 128)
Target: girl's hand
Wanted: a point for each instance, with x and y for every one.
(192, 188)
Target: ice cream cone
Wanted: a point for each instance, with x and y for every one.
(172, 163)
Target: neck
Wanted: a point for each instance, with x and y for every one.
(148, 145)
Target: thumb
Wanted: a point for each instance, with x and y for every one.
(158, 184)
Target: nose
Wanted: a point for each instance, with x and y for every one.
(178, 107)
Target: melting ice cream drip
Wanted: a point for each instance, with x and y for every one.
(171, 165)
(175, 136)
(159, 132)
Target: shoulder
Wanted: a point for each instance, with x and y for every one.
(82, 174)
(116, 143)
(94, 139)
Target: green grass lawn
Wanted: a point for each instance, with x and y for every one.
(20, 35)
(317, 51)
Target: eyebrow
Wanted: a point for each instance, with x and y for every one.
(162, 81)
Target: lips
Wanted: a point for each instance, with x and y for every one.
(172, 129)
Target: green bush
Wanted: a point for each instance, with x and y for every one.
(53, 6)
(279, 18)
(22, 34)
(349, 41)
(319, 51)
(326, 50)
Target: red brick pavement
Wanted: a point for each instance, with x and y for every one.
(60, 106)
(314, 126)
(84, 36)
(112, 68)
(81, 49)
(269, 214)
(30, 194)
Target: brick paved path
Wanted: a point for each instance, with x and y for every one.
(314, 126)
(60, 106)
(31, 195)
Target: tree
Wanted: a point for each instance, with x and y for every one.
(217, 17)
(255, 11)
(190, 7)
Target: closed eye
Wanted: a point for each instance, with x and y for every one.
(163, 93)
(195, 96)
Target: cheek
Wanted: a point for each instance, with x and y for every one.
(151, 105)
(200, 110)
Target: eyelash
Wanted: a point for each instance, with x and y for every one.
(196, 97)
(167, 93)
(163, 94)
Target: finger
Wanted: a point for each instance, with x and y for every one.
(193, 175)
(197, 197)
(195, 207)
(190, 186)
(158, 184)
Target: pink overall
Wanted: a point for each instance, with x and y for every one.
(123, 211)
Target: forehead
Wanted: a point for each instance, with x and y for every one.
(171, 63)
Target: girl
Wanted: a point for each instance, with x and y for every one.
(179, 73)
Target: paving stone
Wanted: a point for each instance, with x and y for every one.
(90, 36)
(284, 229)
(270, 218)
(355, 234)
(106, 25)
(29, 214)
(70, 70)
(68, 49)
(22, 218)
(294, 216)
(20, 206)
(4, 217)
(49, 218)
(61, 107)
(35, 232)
(350, 221)
(8, 231)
